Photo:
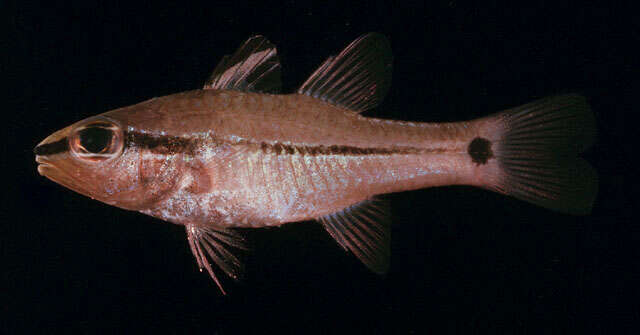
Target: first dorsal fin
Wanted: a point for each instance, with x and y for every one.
(358, 78)
(254, 67)
(365, 230)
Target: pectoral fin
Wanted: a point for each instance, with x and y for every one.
(212, 244)
(363, 229)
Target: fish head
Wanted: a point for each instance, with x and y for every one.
(95, 157)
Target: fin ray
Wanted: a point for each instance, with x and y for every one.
(358, 78)
(254, 67)
(367, 236)
(208, 243)
(537, 154)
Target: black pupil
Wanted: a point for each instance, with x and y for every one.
(95, 139)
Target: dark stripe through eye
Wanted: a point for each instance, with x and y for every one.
(52, 148)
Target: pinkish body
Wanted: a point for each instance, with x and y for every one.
(226, 157)
(253, 162)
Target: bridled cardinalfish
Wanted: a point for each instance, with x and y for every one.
(238, 154)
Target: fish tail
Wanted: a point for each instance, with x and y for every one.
(537, 149)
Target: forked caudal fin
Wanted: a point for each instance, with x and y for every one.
(537, 154)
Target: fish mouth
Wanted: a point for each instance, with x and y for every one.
(43, 165)
(41, 160)
(48, 149)
(58, 175)
(47, 169)
(55, 162)
(54, 168)
(47, 160)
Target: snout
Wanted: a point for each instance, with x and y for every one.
(50, 150)
(54, 144)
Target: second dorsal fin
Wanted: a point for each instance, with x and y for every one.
(358, 78)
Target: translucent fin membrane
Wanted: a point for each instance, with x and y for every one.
(254, 67)
(363, 229)
(358, 78)
(210, 244)
(538, 152)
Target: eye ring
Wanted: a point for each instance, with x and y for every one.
(97, 141)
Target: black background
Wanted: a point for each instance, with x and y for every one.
(463, 260)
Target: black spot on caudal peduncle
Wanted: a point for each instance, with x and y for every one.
(480, 150)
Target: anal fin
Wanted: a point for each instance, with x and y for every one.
(365, 230)
(209, 243)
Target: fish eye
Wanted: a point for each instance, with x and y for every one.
(96, 141)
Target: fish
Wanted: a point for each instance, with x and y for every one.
(240, 154)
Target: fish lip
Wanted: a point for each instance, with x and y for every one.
(54, 173)
(41, 160)
(43, 164)
(42, 167)
(62, 177)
